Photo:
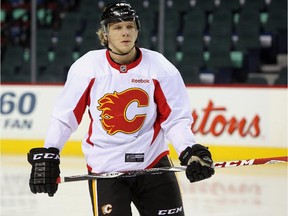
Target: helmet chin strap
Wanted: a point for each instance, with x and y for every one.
(121, 54)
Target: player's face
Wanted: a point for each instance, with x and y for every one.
(122, 36)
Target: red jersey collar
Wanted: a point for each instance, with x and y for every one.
(124, 68)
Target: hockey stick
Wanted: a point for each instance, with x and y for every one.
(160, 170)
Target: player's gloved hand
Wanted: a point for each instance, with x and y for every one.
(45, 170)
(199, 162)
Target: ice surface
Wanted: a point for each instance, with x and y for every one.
(242, 191)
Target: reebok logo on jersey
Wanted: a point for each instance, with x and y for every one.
(140, 80)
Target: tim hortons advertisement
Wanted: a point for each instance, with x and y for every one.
(222, 115)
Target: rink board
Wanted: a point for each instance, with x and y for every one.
(235, 122)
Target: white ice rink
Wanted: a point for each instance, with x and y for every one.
(242, 191)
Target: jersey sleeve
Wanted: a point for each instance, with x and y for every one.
(69, 108)
(174, 106)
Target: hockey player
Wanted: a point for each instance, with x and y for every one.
(136, 100)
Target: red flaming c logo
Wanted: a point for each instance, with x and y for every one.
(114, 111)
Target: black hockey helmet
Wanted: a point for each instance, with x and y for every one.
(119, 12)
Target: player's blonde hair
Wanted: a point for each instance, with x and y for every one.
(101, 36)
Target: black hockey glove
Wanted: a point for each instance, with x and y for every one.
(45, 170)
(199, 162)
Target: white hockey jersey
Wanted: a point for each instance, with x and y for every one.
(134, 109)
